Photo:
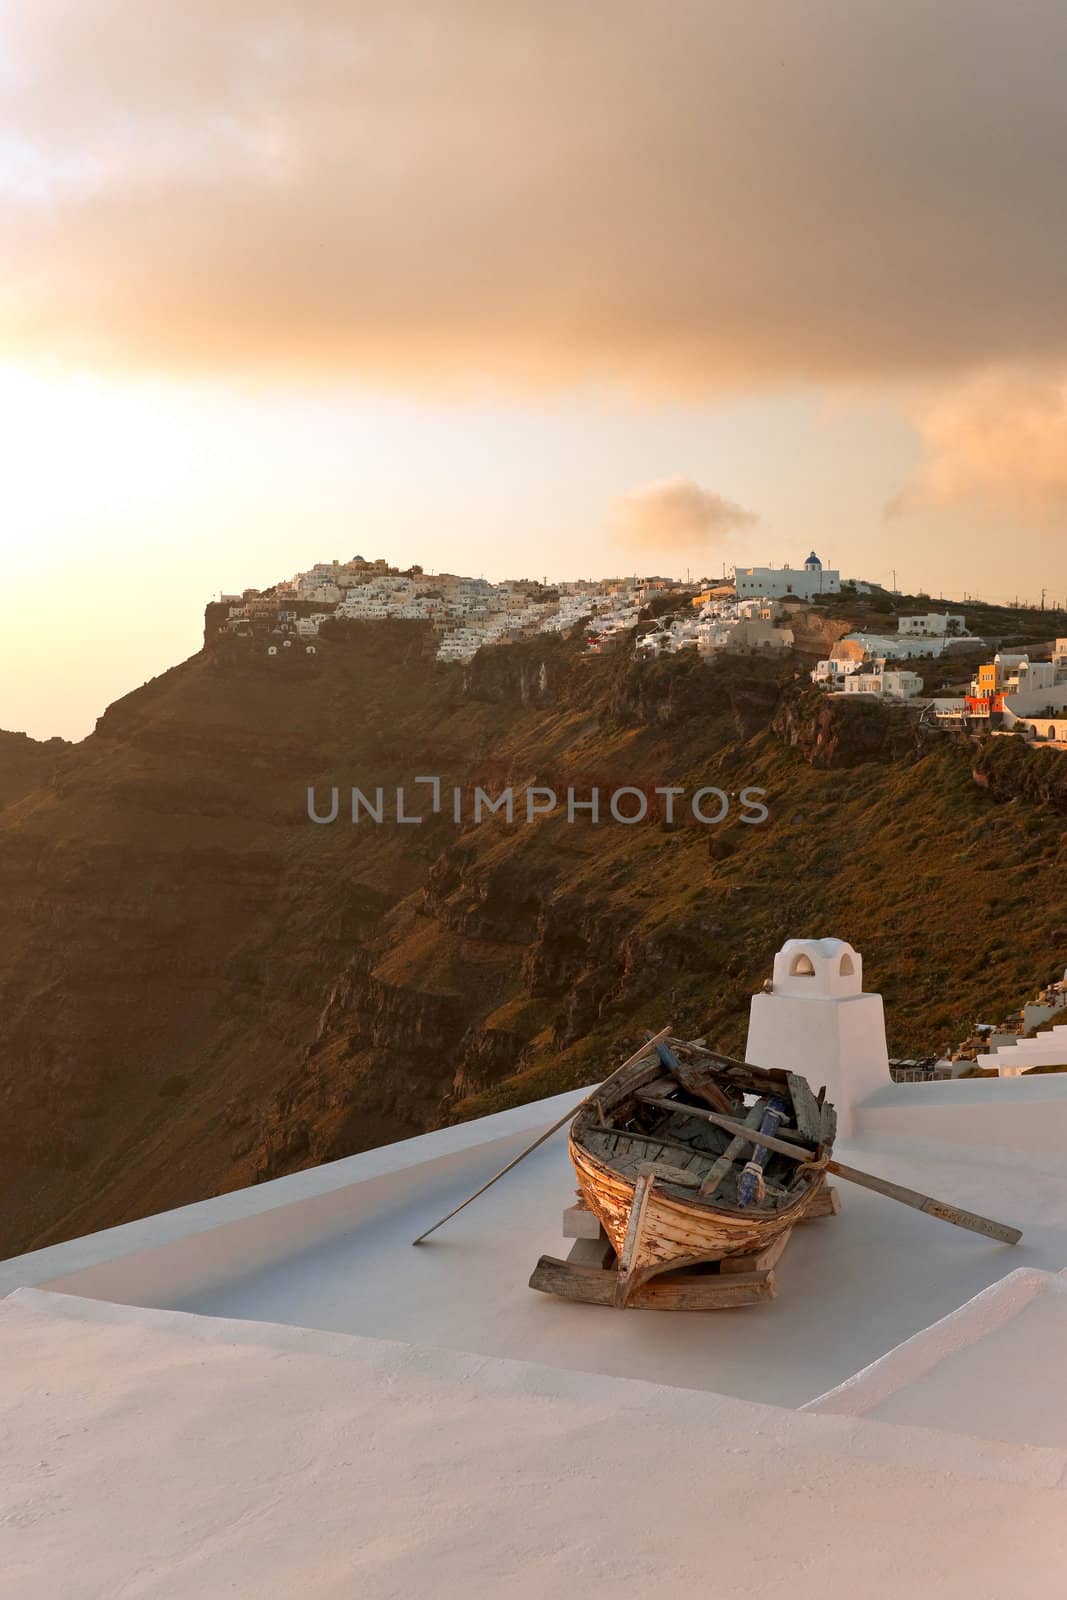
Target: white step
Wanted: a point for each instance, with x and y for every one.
(994, 1368)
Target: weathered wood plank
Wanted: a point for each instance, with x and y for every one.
(676, 1291)
(664, 1085)
(669, 1174)
(697, 1078)
(827, 1203)
(626, 1162)
(631, 1244)
(749, 1135)
(734, 1150)
(658, 1139)
(696, 1135)
(807, 1110)
(741, 1069)
(730, 1266)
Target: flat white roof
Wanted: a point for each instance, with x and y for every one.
(331, 1249)
(273, 1393)
(182, 1457)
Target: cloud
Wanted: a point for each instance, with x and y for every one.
(676, 514)
(997, 442)
(535, 193)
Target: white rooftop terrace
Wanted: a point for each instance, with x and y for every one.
(154, 1454)
(331, 1249)
(285, 1395)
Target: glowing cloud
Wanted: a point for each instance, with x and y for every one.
(676, 514)
(997, 442)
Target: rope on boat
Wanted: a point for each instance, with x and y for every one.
(813, 1168)
(752, 1183)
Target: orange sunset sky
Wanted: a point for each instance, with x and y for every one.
(517, 288)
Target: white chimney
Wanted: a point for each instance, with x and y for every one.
(816, 1021)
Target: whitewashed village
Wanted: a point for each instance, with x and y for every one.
(751, 610)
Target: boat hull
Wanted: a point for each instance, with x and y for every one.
(675, 1233)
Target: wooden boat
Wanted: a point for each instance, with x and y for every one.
(672, 1187)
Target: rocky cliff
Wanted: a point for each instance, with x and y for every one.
(26, 764)
(1011, 770)
(200, 987)
(846, 731)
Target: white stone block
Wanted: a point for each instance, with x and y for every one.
(581, 1223)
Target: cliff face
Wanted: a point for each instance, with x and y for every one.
(814, 633)
(531, 672)
(838, 731)
(26, 764)
(1009, 769)
(200, 987)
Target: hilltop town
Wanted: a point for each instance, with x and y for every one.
(768, 611)
(748, 611)
(465, 614)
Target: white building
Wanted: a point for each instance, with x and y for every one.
(895, 646)
(833, 671)
(935, 624)
(1040, 713)
(776, 582)
(889, 684)
(734, 630)
(762, 610)
(462, 644)
(1029, 677)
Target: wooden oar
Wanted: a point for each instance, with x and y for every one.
(649, 1044)
(926, 1202)
(866, 1180)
